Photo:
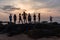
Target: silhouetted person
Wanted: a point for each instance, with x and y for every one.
(29, 18)
(34, 18)
(38, 17)
(24, 17)
(10, 18)
(15, 18)
(51, 18)
(20, 18)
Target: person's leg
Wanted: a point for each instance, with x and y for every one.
(30, 21)
(34, 21)
(24, 20)
(15, 21)
(19, 21)
(10, 21)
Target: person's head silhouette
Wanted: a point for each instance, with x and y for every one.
(19, 14)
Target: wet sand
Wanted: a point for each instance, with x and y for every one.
(23, 37)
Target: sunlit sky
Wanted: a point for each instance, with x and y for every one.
(45, 7)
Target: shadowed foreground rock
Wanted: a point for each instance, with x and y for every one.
(35, 31)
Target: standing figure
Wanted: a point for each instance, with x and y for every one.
(20, 18)
(24, 17)
(51, 18)
(29, 18)
(38, 17)
(34, 18)
(10, 18)
(15, 18)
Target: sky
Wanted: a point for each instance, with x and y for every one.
(45, 7)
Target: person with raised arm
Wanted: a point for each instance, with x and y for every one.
(24, 17)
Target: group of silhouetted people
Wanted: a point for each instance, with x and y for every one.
(24, 17)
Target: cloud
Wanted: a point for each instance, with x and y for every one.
(10, 8)
(32, 4)
(37, 4)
